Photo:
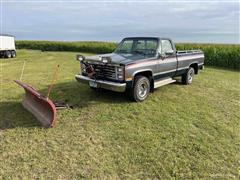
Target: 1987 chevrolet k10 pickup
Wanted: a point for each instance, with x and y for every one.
(139, 65)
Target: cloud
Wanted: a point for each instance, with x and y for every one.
(193, 21)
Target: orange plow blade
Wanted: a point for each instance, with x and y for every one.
(40, 106)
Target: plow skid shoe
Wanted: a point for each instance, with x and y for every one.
(41, 107)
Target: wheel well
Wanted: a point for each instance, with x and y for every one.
(195, 67)
(149, 75)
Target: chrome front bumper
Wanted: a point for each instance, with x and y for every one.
(113, 86)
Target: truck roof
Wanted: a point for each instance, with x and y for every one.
(146, 37)
(6, 35)
(142, 37)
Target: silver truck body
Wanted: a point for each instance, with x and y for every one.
(157, 67)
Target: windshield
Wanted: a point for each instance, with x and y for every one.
(138, 46)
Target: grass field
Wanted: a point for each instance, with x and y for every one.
(178, 132)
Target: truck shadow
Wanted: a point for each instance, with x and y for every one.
(79, 96)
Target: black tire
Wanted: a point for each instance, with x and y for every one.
(187, 78)
(13, 54)
(8, 54)
(141, 89)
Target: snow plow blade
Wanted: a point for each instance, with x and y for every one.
(40, 106)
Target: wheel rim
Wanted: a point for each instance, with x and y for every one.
(142, 90)
(190, 75)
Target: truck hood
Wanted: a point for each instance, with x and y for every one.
(116, 58)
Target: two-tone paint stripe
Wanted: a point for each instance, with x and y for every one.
(149, 62)
(169, 60)
(165, 72)
(173, 70)
(184, 58)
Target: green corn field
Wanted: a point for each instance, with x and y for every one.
(219, 55)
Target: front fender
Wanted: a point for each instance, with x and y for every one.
(130, 80)
(141, 71)
(129, 76)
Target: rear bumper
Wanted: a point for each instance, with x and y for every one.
(113, 86)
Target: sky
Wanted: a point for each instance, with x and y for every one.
(183, 21)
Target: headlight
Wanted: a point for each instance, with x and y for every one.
(120, 69)
(120, 76)
(80, 57)
(120, 72)
(83, 68)
(106, 59)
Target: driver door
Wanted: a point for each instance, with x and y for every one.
(167, 62)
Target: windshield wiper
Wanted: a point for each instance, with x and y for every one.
(139, 52)
(121, 51)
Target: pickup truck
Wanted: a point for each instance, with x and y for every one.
(139, 65)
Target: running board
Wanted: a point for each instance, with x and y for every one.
(163, 82)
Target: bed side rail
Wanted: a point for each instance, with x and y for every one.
(187, 52)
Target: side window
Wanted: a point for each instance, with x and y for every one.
(166, 46)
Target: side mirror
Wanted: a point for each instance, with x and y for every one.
(161, 56)
(171, 52)
(80, 57)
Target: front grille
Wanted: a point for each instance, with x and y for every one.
(105, 71)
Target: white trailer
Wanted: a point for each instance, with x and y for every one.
(7, 46)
